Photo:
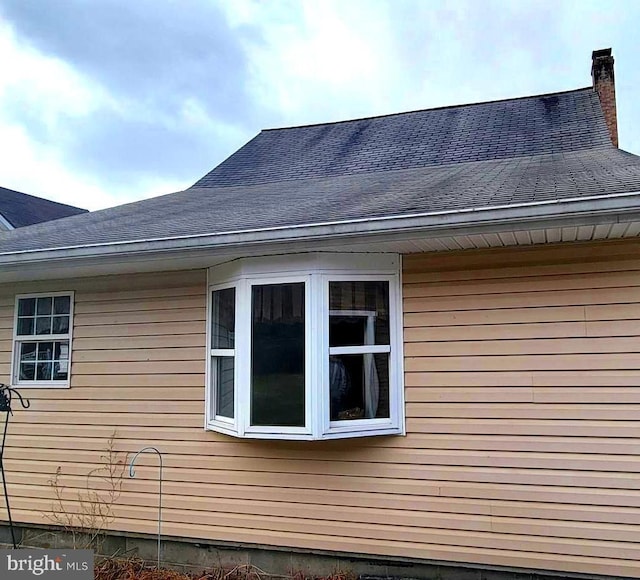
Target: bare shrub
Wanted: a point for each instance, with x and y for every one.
(87, 515)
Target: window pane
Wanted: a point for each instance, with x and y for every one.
(222, 369)
(26, 306)
(44, 305)
(28, 351)
(61, 351)
(60, 325)
(60, 371)
(27, 371)
(223, 318)
(359, 386)
(61, 357)
(359, 313)
(62, 305)
(25, 326)
(43, 325)
(45, 351)
(43, 371)
(277, 355)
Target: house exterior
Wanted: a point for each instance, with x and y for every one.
(388, 343)
(18, 210)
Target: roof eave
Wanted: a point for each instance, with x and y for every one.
(593, 210)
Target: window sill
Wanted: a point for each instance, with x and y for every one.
(42, 385)
(332, 433)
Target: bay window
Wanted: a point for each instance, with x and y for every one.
(305, 346)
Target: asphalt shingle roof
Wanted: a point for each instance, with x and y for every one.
(487, 131)
(493, 154)
(20, 209)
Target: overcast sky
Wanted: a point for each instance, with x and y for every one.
(108, 101)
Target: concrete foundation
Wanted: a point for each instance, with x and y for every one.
(190, 555)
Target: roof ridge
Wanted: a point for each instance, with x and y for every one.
(444, 107)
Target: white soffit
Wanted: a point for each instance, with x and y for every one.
(473, 241)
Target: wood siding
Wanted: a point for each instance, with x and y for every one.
(523, 399)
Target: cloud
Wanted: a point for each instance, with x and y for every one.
(153, 52)
(149, 92)
(39, 96)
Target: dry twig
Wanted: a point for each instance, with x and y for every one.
(89, 513)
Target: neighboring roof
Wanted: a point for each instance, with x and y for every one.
(470, 157)
(20, 209)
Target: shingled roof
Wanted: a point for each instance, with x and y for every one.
(516, 151)
(559, 123)
(20, 209)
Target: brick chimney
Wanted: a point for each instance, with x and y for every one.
(604, 85)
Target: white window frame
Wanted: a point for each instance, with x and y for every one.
(316, 270)
(396, 402)
(19, 339)
(244, 387)
(224, 424)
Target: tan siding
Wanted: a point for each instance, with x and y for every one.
(522, 389)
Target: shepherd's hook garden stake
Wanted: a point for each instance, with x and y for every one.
(132, 473)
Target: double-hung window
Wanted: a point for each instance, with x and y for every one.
(305, 346)
(222, 371)
(359, 349)
(42, 340)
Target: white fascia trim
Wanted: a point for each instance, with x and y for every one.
(5, 223)
(492, 216)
